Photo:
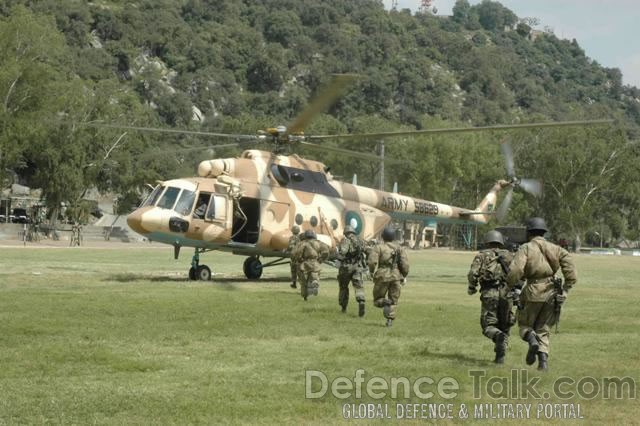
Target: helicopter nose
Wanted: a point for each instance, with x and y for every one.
(134, 220)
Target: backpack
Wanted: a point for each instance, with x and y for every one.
(491, 269)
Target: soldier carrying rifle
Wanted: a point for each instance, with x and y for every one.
(489, 271)
(542, 296)
(351, 253)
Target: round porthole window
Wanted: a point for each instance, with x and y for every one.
(313, 221)
(299, 219)
(354, 220)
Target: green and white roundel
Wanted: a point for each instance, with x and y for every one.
(354, 220)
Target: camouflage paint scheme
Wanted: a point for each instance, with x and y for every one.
(321, 200)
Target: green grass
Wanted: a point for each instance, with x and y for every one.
(120, 336)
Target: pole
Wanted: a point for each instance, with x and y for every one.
(601, 232)
(382, 165)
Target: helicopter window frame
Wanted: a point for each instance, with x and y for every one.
(203, 200)
(217, 210)
(184, 206)
(171, 194)
(154, 196)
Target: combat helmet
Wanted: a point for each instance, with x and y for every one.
(388, 234)
(536, 224)
(309, 234)
(349, 230)
(494, 237)
(295, 230)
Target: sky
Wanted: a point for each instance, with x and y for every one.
(607, 30)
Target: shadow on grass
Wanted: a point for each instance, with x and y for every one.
(226, 282)
(129, 277)
(425, 352)
(244, 280)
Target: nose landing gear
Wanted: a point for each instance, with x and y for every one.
(197, 271)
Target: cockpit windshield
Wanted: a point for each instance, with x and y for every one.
(169, 197)
(153, 197)
(185, 203)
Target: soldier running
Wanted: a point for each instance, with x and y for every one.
(351, 253)
(309, 254)
(489, 271)
(293, 241)
(543, 294)
(389, 266)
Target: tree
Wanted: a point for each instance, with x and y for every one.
(580, 175)
(32, 67)
(461, 11)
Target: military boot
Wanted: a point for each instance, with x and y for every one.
(532, 340)
(500, 348)
(360, 309)
(313, 290)
(386, 307)
(542, 361)
(389, 322)
(343, 309)
(293, 285)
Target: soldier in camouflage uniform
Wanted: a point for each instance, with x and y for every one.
(351, 253)
(538, 261)
(293, 241)
(489, 270)
(389, 265)
(309, 254)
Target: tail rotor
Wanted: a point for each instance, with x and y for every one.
(532, 186)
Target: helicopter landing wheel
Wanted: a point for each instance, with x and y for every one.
(203, 273)
(252, 268)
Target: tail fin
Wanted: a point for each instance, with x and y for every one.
(485, 210)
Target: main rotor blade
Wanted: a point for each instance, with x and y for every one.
(177, 131)
(464, 129)
(174, 151)
(502, 211)
(507, 153)
(532, 186)
(325, 99)
(350, 153)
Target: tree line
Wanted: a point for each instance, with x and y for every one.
(254, 64)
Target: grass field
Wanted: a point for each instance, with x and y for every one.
(118, 335)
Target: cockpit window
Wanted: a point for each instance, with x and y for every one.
(185, 202)
(153, 197)
(169, 198)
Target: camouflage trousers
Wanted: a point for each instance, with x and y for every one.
(387, 290)
(537, 316)
(294, 272)
(496, 314)
(345, 276)
(309, 283)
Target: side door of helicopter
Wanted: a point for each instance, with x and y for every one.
(256, 220)
(246, 221)
(210, 216)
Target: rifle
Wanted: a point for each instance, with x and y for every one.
(515, 291)
(503, 264)
(557, 284)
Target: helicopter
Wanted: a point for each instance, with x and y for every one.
(248, 205)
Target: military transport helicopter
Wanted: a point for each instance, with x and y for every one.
(248, 205)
